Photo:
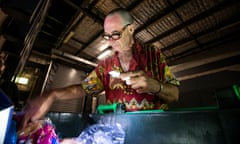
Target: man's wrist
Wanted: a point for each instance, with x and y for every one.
(160, 89)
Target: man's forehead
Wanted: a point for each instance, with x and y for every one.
(112, 23)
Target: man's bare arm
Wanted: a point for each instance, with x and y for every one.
(70, 92)
(39, 106)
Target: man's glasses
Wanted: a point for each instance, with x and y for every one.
(116, 35)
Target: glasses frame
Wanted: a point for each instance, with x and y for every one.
(110, 36)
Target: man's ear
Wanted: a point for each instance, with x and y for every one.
(131, 28)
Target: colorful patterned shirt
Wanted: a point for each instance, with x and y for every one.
(145, 57)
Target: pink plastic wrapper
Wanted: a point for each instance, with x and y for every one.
(40, 132)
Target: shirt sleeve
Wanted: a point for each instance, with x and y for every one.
(92, 84)
(168, 76)
(157, 65)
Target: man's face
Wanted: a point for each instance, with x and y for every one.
(117, 33)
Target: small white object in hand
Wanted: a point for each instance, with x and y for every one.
(114, 74)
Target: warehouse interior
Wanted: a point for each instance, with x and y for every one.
(54, 43)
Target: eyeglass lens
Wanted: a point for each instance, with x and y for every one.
(114, 36)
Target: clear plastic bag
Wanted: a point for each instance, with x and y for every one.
(102, 134)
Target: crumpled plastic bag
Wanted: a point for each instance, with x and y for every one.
(38, 132)
(101, 134)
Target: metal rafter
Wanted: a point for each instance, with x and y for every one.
(222, 25)
(189, 22)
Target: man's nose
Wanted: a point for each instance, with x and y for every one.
(110, 39)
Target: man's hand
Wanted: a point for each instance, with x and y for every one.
(36, 109)
(141, 82)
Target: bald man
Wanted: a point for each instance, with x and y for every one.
(143, 80)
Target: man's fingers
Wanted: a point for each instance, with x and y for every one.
(138, 80)
(140, 90)
(132, 74)
(23, 122)
(29, 111)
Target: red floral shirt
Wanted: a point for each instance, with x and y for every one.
(145, 57)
